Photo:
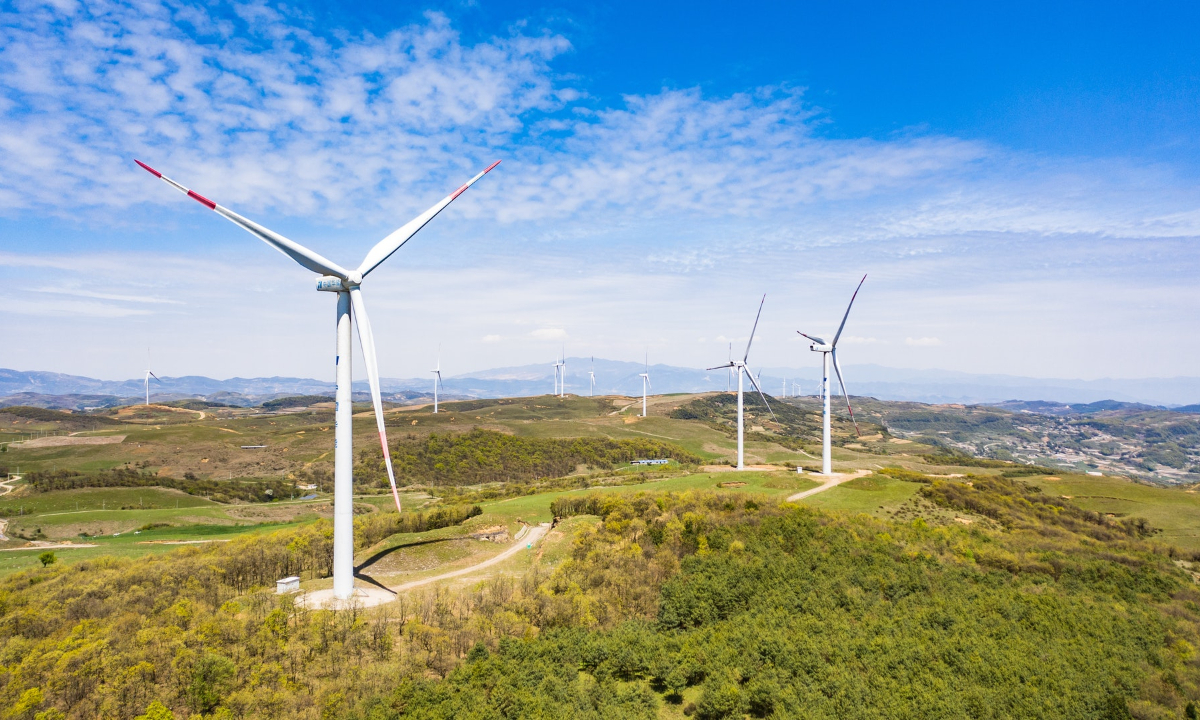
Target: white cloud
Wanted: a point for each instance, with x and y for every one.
(491, 338)
(275, 115)
(149, 299)
(922, 341)
(548, 334)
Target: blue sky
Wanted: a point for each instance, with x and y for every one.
(1020, 184)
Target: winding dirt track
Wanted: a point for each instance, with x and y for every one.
(832, 482)
(530, 539)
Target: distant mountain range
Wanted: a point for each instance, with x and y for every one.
(614, 377)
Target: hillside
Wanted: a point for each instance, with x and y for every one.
(935, 579)
(709, 605)
(1113, 438)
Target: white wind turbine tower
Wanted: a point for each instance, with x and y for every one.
(562, 388)
(829, 351)
(592, 378)
(437, 379)
(645, 383)
(350, 308)
(148, 376)
(739, 366)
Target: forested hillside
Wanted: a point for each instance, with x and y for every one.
(699, 604)
(488, 456)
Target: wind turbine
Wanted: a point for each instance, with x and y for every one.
(645, 382)
(739, 366)
(592, 378)
(562, 388)
(829, 351)
(148, 376)
(437, 380)
(350, 308)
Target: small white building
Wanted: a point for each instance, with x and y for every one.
(287, 585)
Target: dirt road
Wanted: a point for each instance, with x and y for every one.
(830, 483)
(521, 543)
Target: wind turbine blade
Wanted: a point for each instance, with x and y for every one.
(755, 328)
(367, 339)
(292, 249)
(390, 244)
(760, 393)
(720, 366)
(153, 376)
(837, 369)
(814, 338)
(839, 332)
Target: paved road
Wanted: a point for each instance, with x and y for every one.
(531, 538)
(829, 484)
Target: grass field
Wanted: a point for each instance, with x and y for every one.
(1174, 511)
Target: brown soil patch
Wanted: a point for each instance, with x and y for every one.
(731, 484)
(64, 440)
(268, 512)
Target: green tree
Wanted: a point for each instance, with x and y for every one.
(157, 711)
(29, 701)
(48, 559)
(212, 677)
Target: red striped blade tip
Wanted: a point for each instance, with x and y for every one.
(147, 168)
(489, 167)
(202, 200)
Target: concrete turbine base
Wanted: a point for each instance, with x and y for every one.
(363, 597)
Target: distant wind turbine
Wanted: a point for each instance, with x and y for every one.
(592, 378)
(350, 309)
(645, 382)
(740, 367)
(560, 374)
(437, 379)
(829, 351)
(148, 376)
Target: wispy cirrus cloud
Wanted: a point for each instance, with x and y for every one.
(274, 114)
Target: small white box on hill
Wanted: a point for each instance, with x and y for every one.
(1095, 473)
(287, 585)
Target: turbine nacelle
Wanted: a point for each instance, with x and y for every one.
(815, 347)
(329, 283)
